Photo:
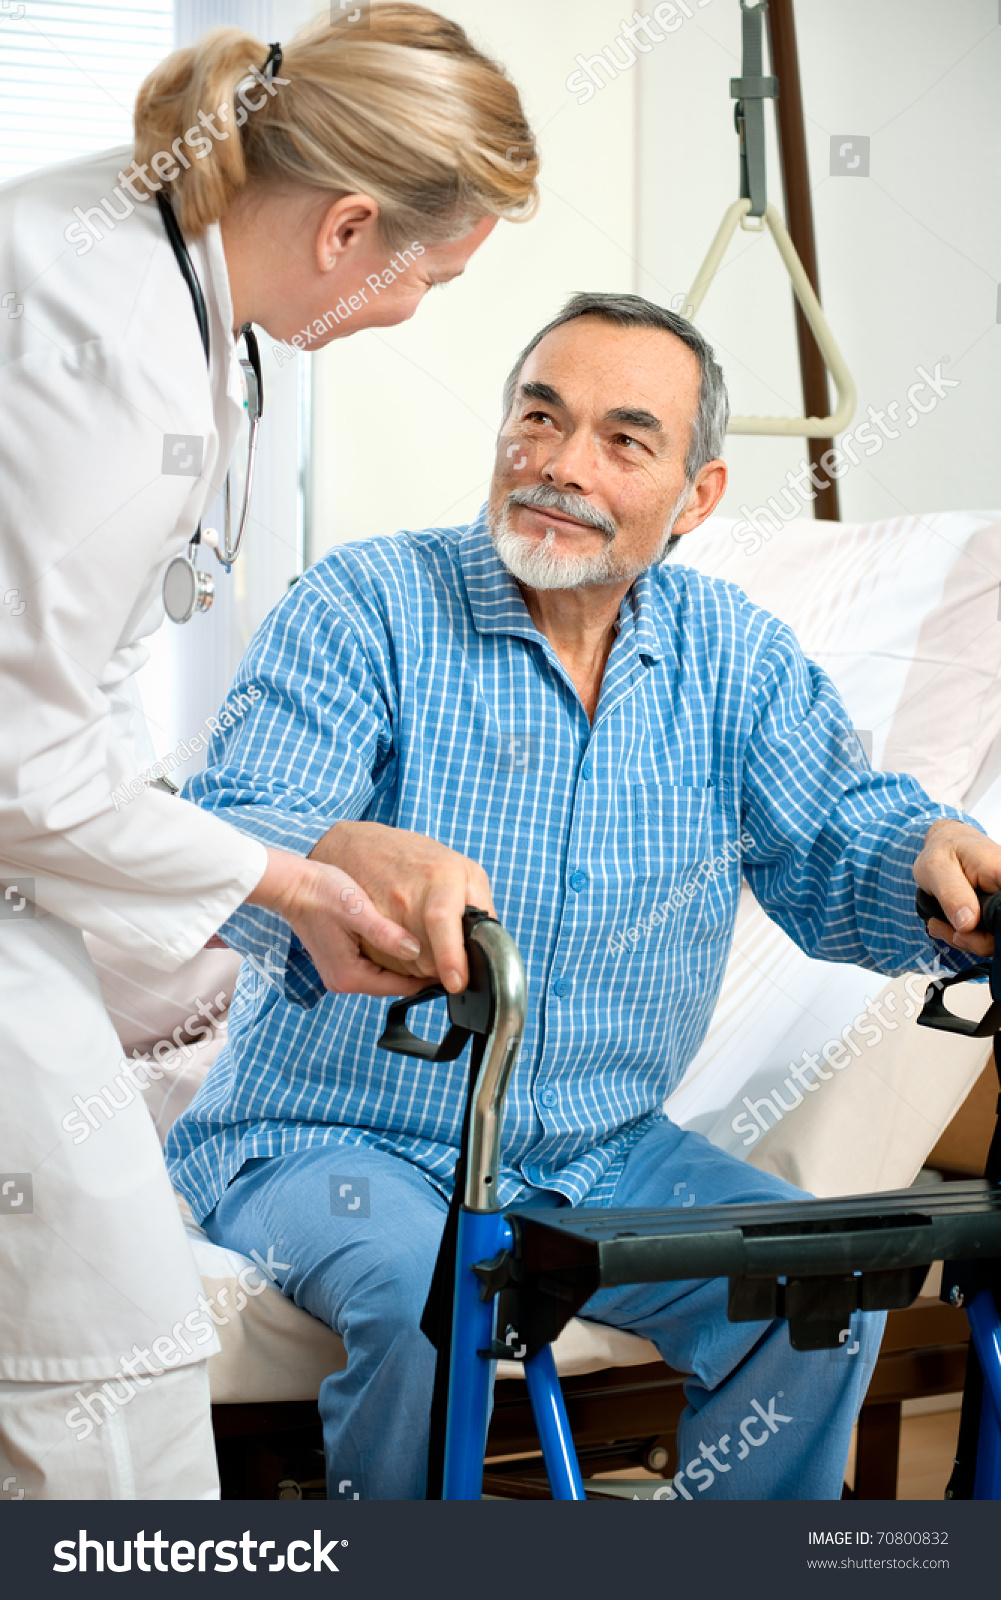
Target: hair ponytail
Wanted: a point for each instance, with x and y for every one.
(406, 110)
(182, 101)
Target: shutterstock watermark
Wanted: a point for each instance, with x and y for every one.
(628, 938)
(16, 1194)
(236, 706)
(634, 39)
(806, 1075)
(167, 164)
(166, 1056)
(288, 349)
(192, 1555)
(756, 1429)
(169, 1349)
(758, 526)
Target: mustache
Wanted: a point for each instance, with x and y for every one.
(544, 497)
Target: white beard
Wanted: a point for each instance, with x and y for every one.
(536, 564)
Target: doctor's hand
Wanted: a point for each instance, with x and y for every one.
(355, 949)
(955, 862)
(420, 883)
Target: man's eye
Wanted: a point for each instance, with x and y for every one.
(538, 416)
(625, 438)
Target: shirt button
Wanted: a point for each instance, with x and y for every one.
(586, 767)
(561, 987)
(578, 881)
(549, 1097)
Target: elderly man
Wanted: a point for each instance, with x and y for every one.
(542, 713)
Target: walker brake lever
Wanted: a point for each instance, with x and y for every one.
(469, 1012)
(934, 1014)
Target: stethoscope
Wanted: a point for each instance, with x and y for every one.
(186, 587)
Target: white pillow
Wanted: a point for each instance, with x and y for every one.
(903, 615)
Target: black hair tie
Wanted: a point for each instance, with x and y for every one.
(274, 61)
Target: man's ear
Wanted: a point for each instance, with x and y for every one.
(345, 224)
(707, 492)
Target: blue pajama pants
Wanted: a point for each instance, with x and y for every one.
(763, 1421)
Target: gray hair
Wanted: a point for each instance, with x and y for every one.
(632, 311)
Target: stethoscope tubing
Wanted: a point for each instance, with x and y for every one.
(190, 590)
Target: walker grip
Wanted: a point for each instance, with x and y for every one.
(469, 1012)
(934, 1012)
(990, 904)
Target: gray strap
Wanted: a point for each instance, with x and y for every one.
(750, 91)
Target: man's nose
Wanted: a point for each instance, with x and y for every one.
(571, 466)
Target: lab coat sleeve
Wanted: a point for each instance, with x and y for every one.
(88, 520)
(829, 843)
(311, 744)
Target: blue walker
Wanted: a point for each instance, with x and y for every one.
(506, 1283)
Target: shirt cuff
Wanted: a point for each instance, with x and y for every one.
(897, 889)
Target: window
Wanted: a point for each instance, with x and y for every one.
(70, 73)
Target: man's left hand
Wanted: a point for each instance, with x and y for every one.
(955, 862)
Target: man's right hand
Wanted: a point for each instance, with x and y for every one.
(417, 882)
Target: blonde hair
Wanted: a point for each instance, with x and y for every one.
(404, 109)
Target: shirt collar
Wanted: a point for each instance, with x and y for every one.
(497, 605)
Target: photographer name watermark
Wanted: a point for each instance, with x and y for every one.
(235, 707)
(347, 306)
(628, 938)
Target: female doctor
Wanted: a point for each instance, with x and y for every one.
(299, 180)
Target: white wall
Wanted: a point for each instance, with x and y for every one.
(404, 418)
(909, 257)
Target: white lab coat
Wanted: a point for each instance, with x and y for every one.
(99, 358)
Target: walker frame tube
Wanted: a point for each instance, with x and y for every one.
(471, 1374)
(550, 1413)
(482, 1231)
(507, 977)
(482, 1234)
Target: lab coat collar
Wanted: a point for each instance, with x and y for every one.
(209, 260)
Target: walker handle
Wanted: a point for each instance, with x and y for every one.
(469, 1012)
(990, 905)
(934, 1013)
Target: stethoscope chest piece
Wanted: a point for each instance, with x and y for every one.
(186, 588)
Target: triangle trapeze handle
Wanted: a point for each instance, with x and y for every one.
(809, 427)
